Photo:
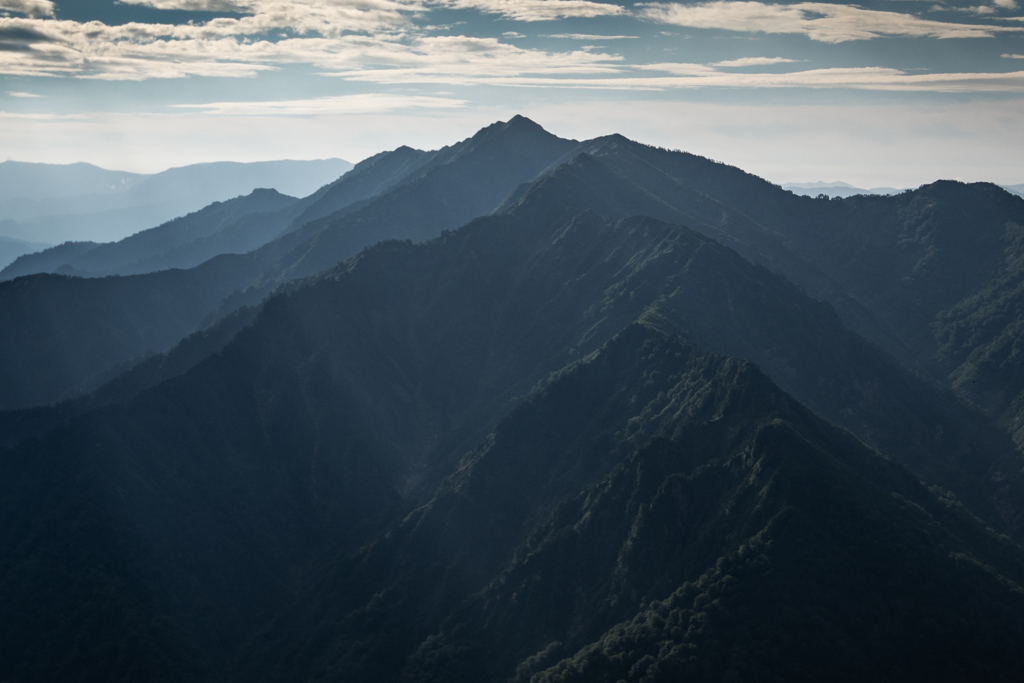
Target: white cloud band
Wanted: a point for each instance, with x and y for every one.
(33, 8)
(537, 10)
(824, 22)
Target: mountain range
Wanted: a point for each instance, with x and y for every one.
(835, 189)
(521, 409)
(52, 204)
(841, 189)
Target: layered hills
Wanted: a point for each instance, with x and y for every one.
(418, 200)
(572, 439)
(11, 249)
(57, 203)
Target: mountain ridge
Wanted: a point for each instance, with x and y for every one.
(554, 443)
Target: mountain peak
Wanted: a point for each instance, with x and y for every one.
(265, 192)
(517, 126)
(520, 121)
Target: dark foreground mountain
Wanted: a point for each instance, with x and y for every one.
(61, 336)
(502, 454)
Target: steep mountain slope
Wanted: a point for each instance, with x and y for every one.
(457, 184)
(931, 275)
(980, 340)
(61, 336)
(151, 249)
(724, 304)
(628, 474)
(562, 442)
(404, 462)
(747, 515)
(367, 179)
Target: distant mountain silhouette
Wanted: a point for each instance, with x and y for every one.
(22, 182)
(10, 249)
(1015, 189)
(80, 202)
(182, 243)
(835, 189)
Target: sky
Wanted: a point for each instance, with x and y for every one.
(883, 93)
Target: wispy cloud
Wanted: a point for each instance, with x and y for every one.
(367, 103)
(460, 60)
(824, 22)
(691, 75)
(194, 5)
(537, 10)
(14, 93)
(864, 78)
(42, 117)
(754, 61)
(587, 36)
(980, 10)
(33, 8)
(1009, 56)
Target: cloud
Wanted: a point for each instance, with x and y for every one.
(533, 71)
(513, 34)
(1005, 4)
(193, 5)
(367, 103)
(19, 38)
(587, 36)
(376, 41)
(754, 61)
(461, 60)
(1009, 56)
(33, 8)
(537, 10)
(680, 76)
(348, 36)
(321, 33)
(861, 78)
(13, 93)
(823, 22)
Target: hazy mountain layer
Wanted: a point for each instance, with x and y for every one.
(10, 249)
(29, 182)
(836, 189)
(182, 243)
(85, 203)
